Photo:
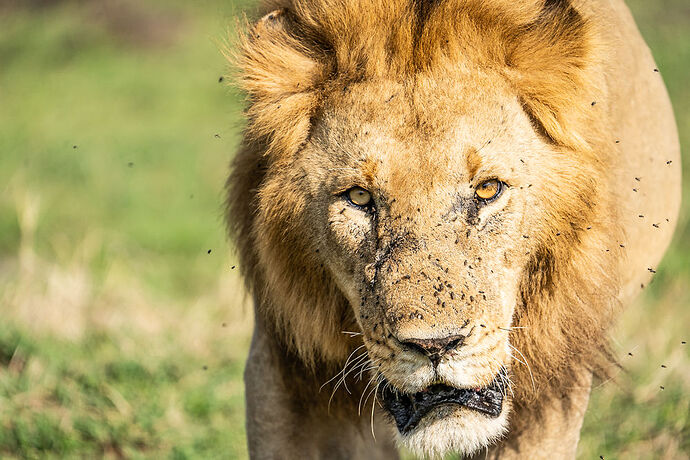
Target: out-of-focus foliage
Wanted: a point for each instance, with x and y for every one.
(121, 334)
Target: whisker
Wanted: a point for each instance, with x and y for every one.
(387, 386)
(342, 380)
(353, 352)
(361, 373)
(373, 406)
(354, 367)
(351, 334)
(376, 392)
(373, 390)
(529, 368)
(344, 367)
(360, 360)
(507, 380)
(510, 382)
(499, 375)
(359, 408)
(516, 359)
(501, 370)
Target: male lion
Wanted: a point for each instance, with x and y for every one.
(443, 203)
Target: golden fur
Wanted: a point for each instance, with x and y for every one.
(333, 83)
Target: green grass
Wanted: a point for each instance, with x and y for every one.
(113, 152)
(121, 335)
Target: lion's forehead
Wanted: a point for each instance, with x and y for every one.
(428, 112)
(413, 143)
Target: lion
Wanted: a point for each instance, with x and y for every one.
(440, 208)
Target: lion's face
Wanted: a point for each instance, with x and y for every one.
(425, 205)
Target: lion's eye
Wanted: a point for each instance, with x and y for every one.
(489, 190)
(359, 196)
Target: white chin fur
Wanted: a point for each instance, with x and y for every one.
(452, 428)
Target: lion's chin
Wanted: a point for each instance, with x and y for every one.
(442, 418)
(452, 428)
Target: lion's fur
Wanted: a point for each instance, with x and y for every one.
(308, 52)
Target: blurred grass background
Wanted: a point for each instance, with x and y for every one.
(123, 324)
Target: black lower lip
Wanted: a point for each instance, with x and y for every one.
(409, 409)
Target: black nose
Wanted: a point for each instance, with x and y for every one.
(435, 348)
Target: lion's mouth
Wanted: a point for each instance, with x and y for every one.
(409, 409)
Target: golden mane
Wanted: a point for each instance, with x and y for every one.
(295, 56)
(298, 53)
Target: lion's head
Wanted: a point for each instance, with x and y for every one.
(430, 174)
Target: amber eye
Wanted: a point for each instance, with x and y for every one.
(359, 196)
(489, 190)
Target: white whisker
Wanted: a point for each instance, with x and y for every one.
(502, 374)
(359, 407)
(373, 390)
(351, 334)
(373, 406)
(531, 376)
(344, 367)
(360, 360)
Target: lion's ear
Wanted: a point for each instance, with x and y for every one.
(552, 67)
(281, 77)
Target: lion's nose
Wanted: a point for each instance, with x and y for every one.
(435, 348)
